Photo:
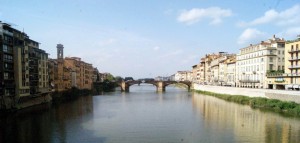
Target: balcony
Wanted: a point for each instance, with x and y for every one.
(292, 74)
(6, 32)
(294, 67)
(294, 58)
(275, 74)
(294, 50)
(249, 81)
(279, 80)
(9, 85)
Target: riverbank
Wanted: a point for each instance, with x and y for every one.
(284, 95)
(68, 95)
(259, 101)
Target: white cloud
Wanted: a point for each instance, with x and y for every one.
(156, 48)
(192, 16)
(289, 16)
(250, 36)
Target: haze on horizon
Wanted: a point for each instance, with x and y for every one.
(150, 38)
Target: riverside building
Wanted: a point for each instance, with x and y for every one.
(69, 72)
(23, 70)
(292, 62)
(290, 79)
(255, 61)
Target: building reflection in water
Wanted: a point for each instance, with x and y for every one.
(42, 123)
(245, 123)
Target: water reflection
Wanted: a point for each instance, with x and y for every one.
(175, 116)
(45, 124)
(245, 124)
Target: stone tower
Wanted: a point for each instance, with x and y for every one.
(60, 67)
(60, 51)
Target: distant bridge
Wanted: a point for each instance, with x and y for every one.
(160, 85)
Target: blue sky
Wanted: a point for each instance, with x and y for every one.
(143, 38)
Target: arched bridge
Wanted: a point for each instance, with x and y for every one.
(160, 85)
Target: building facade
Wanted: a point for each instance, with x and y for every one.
(290, 79)
(230, 70)
(255, 61)
(292, 61)
(68, 72)
(183, 76)
(23, 70)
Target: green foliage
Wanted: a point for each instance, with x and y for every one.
(118, 78)
(285, 107)
(108, 86)
(110, 77)
(275, 72)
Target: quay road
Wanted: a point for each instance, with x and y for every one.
(285, 95)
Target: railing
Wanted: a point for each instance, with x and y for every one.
(294, 50)
(279, 81)
(294, 66)
(275, 74)
(293, 74)
(294, 58)
(6, 32)
(249, 81)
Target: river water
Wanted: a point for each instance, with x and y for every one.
(145, 116)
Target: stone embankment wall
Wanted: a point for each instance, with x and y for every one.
(285, 95)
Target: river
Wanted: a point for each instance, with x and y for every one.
(145, 116)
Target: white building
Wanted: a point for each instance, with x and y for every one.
(254, 61)
(183, 76)
(230, 71)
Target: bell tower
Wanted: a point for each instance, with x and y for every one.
(60, 51)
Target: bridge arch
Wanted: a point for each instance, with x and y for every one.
(187, 83)
(160, 85)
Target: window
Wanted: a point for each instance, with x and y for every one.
(5, 75)
(7, 49)
(8, 66)
(8, 58)
(278, 59)
(278, 52)
(271, 59)
(270, 66)
(262, 59)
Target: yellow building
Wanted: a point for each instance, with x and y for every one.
(290, 79)
(23, 69)
(69, 72)
(292, 62)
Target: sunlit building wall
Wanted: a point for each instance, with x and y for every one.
(255, 61)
